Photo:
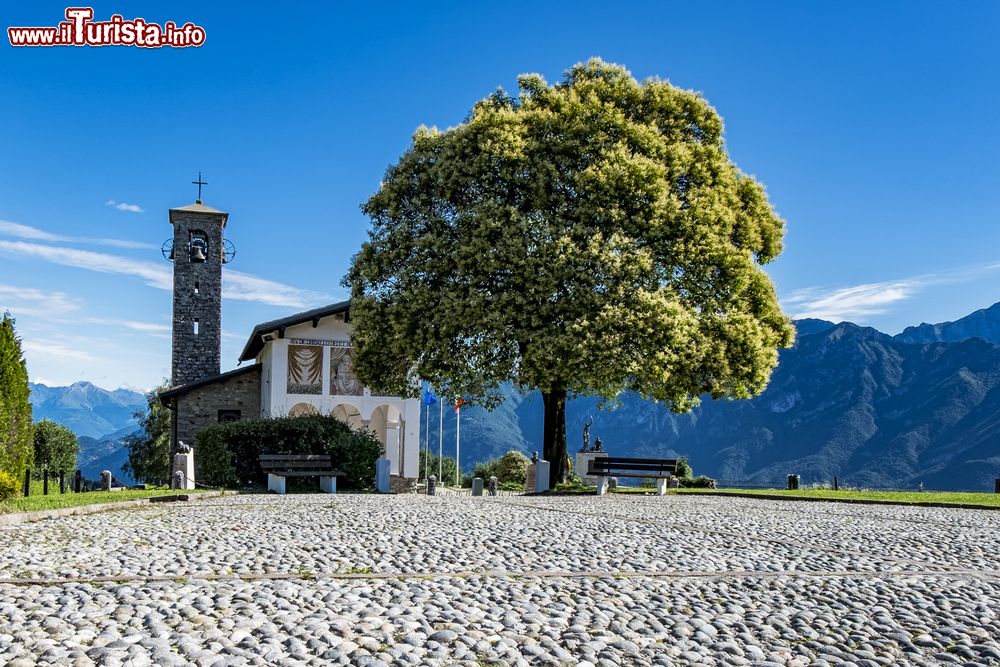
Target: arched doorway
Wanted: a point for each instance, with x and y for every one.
(303, 410)
(348, 414)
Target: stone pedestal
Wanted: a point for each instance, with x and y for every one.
(661, 486)
(276, 484)
(382, 481)
(602, 485)
(529, 478)
(582, 465)
(541, 476)
(477, 486)
(184, 464)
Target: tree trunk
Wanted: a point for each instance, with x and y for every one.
(554, 435)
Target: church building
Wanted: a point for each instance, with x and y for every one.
(296, 365)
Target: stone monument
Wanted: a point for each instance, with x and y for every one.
(183, 468)
(588, 454)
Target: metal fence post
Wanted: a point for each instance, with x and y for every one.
(45, 482)
(27, 482)
(62, 482)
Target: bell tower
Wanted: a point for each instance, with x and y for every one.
(198, 251)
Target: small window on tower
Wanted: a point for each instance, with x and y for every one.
(196, 327)
(197, 287)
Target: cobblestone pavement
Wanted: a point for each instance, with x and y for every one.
(416, 580)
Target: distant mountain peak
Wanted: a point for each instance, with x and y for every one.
(810, 325)
(983, 323)
(85, 408)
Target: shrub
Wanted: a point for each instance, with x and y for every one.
(683, 468)
(228, 453)
(511, 468)
(8, 486)
(699, 482)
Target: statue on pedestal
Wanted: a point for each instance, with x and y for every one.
(586, 435)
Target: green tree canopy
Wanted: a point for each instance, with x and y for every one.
(149, 448)
(16, 447)
(587, 237)
(56, 448)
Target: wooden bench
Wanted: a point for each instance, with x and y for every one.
(603, 467)
(280, 466)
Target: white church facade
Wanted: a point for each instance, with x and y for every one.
(306, 364)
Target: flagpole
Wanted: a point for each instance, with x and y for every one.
(440, 437)
(427, 440)
(458, 456)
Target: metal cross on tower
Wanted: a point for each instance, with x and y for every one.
(199, 183)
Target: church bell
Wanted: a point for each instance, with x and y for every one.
(198, 250)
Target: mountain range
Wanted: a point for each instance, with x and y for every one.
(100, 418)
(874, 410)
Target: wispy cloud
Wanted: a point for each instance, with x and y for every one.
(20, 231)
(155, 275)
(246, 287)
(122, 206)
(142, 327)
(30, 301)
(41, 346)
(848, 303)
(236, 285)
(858, 302)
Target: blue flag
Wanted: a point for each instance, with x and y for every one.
(429, 398)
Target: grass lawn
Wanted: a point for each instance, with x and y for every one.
(53, 501)
(991, 499)
(945, 497)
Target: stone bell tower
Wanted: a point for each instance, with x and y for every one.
(198, 251)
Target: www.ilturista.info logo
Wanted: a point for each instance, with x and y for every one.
(81, 30)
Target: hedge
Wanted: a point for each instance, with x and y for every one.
(228, 453)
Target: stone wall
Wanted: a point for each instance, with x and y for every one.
(200, 406)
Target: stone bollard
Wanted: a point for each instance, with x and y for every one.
(477, 486)
(431, 485)
(612, 483)
(793, 482)
(105, 480)
(493, 486)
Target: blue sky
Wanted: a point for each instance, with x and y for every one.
(872, 124)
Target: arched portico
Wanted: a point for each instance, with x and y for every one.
(386, 422)
(303, 410)
(349, 414)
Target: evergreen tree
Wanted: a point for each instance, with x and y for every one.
(16, 446)
(588, 237)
